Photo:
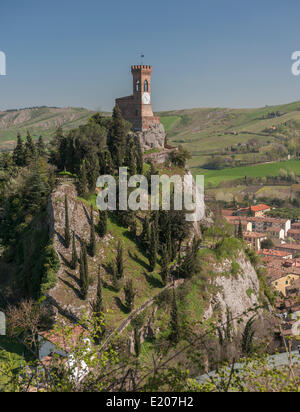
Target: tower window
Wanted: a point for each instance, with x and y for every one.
(146, 86)
(138, 85)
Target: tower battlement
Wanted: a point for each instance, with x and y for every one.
(141, 67)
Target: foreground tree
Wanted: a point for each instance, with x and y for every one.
(102, 225)
(74, 260)
(19, 152)
(153, 248)
(92, 247)
(120, 261)
(67, 224)
(129, 295)
(84, 278)
(174, 324)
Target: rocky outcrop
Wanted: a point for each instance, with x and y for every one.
(152, 138)
(236, 293)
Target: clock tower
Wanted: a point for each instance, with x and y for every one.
(137, 108)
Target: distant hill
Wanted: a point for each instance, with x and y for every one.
(213, 131)
(39, 121)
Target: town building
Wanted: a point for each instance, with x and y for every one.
(256, 211)
(265, 224)
(275, 233)
(294, 234)
(276, 253)
(254, 239)
(293, 249)
(284, 282)
(235, 220)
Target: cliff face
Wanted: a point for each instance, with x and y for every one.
(152, 138)
(237, 292)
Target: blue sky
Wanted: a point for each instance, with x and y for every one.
(228, 53)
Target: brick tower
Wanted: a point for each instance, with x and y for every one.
(137, 107)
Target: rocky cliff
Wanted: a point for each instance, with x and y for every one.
(238, 290)
(152, 138)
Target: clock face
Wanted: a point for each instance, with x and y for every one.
(146, 98)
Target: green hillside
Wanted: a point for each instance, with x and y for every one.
(241, 137)
(39, 121)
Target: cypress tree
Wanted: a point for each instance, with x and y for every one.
(139, 156)
(129, 295)
(74, 260)
(120, 261)
(83, 273)
(102, 225)
(82, 183)
(240, 230)
(117, 137)
(67, 226)
(92, 235)
(153, 248)
(98, 306)
(169, 238)
(165, 260)
(130, 158)
(115, 281)
(189, 266)
(19, 152)
(146, 233)
(137, 342)
(174, 335)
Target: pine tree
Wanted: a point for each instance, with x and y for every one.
(41, 149)
(30, 149)
(74, 260)
(129, 295)
(139, 156)
(174, 335)
(19, 152)
(102, 225)
(120, 261)
(92, 247)
(82, 181)
(240, 230)
(67, 226)
(164, 263)
(153, 248)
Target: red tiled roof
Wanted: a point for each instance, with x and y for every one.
(254, 235)
(286, 247)
(260, 208)
(266, 219)
(294, 231)
(272, 252)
